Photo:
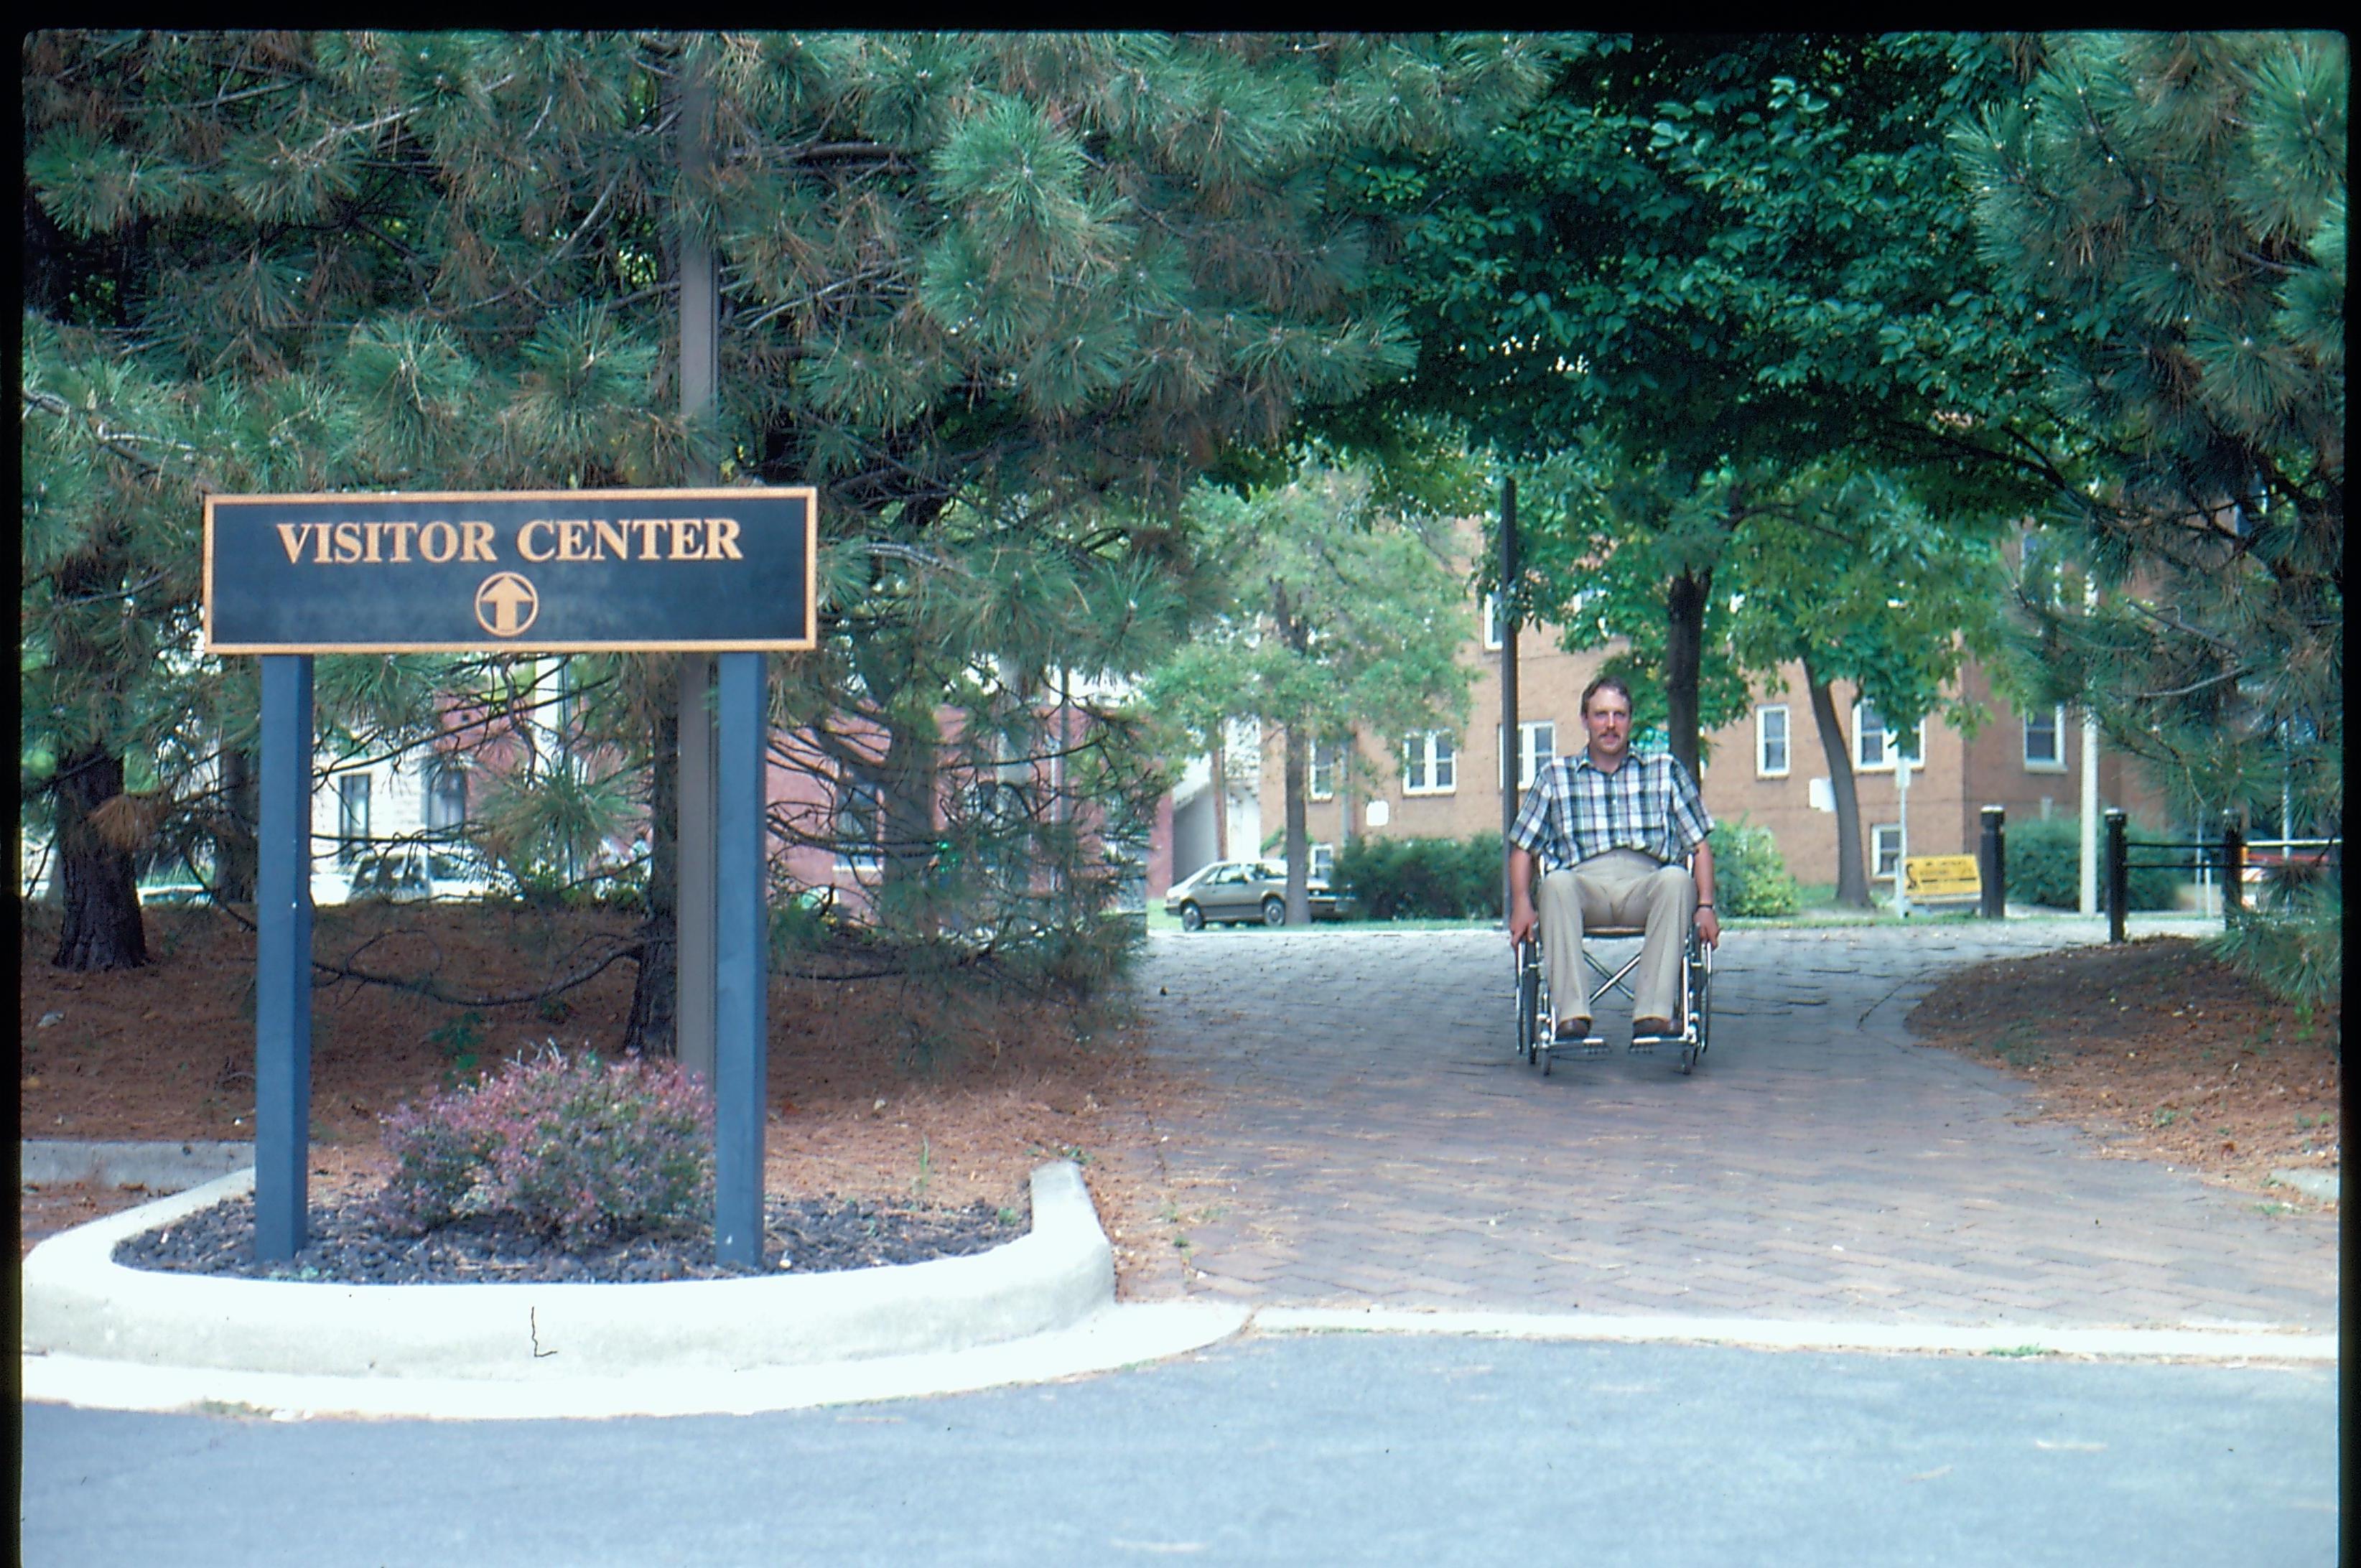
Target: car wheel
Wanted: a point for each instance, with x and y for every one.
(1191, 917)
(1274, 911)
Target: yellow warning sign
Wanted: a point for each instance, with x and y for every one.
(1941, 876)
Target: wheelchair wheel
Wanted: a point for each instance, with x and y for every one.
(1529, 1000)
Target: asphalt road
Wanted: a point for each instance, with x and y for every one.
(1345, 1449)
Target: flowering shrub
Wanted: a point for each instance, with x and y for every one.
(579, 1147)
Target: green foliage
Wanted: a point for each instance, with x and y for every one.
(1000, 296)
(2045, 866)
(1423, 878)
(2175, 206)
(582, 1149)
(1337, 618)
(461, 1041)
(2295, 951)
(1750, 876)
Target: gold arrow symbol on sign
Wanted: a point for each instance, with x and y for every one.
(506, 604)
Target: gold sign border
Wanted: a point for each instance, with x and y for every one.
(810, 494)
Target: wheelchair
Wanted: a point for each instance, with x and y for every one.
(1537, 1024)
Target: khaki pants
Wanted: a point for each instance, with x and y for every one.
(1621, 888)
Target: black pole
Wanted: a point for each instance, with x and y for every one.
(2233, 870)
(1513, 747)
(1992, 872)
(2118, 881)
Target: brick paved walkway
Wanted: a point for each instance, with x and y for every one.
(1370, 1138)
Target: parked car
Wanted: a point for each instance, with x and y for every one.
(1229, 892)
(413, 873)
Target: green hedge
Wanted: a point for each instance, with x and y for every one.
(1423, 878)
(2045, 866)
(1749, 876)
(1459, 879)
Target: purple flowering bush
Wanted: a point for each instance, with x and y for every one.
(582, 1149)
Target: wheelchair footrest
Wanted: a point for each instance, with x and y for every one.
(1590, 1047)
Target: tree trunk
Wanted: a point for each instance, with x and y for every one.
(1853, 878)
(910, 833)
(1684, 662)
(1298, 834)
(652, 1029)
(236, 851)
(102, 927)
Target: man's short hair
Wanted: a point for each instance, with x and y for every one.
(1605, 682)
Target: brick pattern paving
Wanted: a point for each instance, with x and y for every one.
(1368, 1136)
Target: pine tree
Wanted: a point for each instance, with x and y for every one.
(2177, 204)
(1001, 297)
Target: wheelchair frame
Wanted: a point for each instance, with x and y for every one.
(1536, 1021)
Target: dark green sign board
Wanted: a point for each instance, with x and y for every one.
(542, 572)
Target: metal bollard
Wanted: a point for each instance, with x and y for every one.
(2117, 882)
(1991, 868)
(2233, 871)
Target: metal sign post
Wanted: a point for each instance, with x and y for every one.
(741, 974)
(283, 963)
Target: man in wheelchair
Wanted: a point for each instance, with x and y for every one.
(1611, 831)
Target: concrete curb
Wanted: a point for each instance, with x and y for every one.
(158, 1166)
(1782, 1333)
(1108, 1340)
(78, 1303)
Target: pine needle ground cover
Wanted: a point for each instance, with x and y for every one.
(2161, 1052)
(858, 1113)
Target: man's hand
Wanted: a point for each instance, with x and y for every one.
(1708, 925)
(1522, 921)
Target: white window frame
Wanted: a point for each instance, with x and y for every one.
(1492, 631)
(1885, 749)
(2052, 764)
(1763, 768)
(1530, 755)
(1430, 763)
(354, 800)
(1885, 851)
(1319, 861)
(1316, 768)
(849, 788)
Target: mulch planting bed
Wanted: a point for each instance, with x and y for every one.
(351, 1244)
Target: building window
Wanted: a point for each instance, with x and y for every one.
(1430, 763)
(1886, 850)
(352, 816)
(1874, 746)
(2045, 741)
(1536, 746)
(859, 820)
(446, 797)
(1495, 633)
(1771, 741)
(1320, 778)
(1323, 862)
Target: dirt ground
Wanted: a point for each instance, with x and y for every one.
(873, 1094)
(2160, 1053)
(876, 1094)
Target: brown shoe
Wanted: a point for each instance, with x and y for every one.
(1659, 1028)
(1573, 1030)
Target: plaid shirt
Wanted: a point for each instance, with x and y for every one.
(1575, 811)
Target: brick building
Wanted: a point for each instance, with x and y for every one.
(1768, 768)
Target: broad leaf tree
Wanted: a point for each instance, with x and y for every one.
(1716, 262)
(1342, 618)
